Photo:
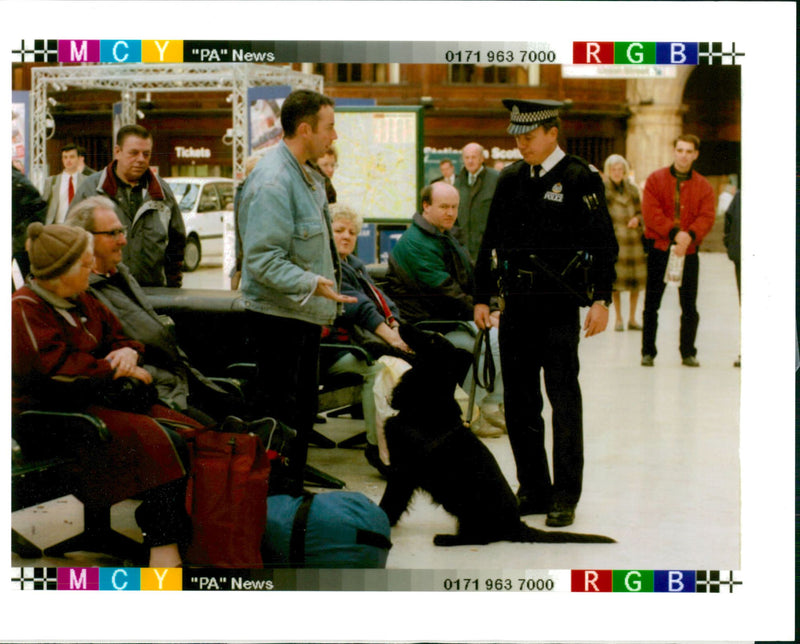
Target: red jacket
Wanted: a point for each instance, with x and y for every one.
(60, 343)
(698, 208)
(69, 344)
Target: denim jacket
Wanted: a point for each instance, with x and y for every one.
(287, 240)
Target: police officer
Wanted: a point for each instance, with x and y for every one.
(548, 213)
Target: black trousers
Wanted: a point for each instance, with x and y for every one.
(687, 295)
(536, 338)
(162, 514)
(286, 353)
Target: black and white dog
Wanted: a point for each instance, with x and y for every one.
(431, 449)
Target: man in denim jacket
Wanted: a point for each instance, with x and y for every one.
(290, 270)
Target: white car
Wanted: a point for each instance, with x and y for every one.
(204, 202)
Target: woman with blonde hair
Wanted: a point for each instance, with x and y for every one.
(624, 206)
(373, 312)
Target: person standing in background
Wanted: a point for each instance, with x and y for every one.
(145, 206)
(475, 184)
(679, 210)
(60, 189)
(625, 208)
(732, 238)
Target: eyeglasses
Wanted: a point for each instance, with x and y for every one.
(115, 234)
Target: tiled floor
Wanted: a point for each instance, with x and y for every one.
(662, 467)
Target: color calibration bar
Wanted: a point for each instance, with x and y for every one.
(526, 581)
(281, 52)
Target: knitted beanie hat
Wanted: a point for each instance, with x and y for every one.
(54, 249)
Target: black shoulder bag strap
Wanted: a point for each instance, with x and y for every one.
(297, 542)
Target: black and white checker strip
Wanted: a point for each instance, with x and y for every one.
(34, 579)
(715, 581)
(43, 51)
(713, 53)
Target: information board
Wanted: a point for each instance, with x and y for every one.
(379, 168)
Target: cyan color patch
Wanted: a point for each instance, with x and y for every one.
(120, 51)
(120, 579)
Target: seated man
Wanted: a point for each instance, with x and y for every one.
(178, 383)
(430, 278)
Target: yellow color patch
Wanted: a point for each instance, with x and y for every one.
(162, 51)
(161, 578)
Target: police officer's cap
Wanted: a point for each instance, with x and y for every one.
(528, 115)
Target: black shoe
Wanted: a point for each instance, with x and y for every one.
(648, 360)
(374, 459)
(561, 515)
(532, 503)
(690, 361)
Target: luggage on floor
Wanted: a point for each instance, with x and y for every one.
(227, 492)
(329, 530)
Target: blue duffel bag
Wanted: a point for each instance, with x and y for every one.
(328, 530)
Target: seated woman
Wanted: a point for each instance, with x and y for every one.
(67, 349)
(373, 312)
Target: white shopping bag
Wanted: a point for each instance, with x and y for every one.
(384, 385)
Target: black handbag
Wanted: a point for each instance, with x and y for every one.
(128, 394)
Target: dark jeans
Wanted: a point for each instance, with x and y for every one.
(533, 340)
(286, 353)
(687, 295)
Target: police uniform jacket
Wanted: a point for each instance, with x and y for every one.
(552, 217)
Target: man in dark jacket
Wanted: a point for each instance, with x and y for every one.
(732, 238)
(146, 207)
(178, 383)
(430, 278)
(27, 206)
(475, 184)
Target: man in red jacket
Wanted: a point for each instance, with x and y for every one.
(679, 208)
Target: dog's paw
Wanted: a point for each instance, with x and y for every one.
(446, 540)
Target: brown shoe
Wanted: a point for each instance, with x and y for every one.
(485, 430)
(494, 415)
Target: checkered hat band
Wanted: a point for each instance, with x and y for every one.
(525, 118)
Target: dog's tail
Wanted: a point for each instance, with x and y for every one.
(532, 535)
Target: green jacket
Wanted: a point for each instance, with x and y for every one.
(430, 275)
